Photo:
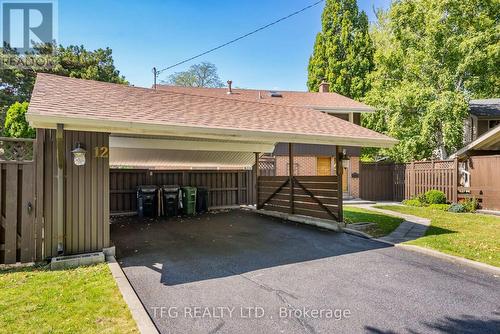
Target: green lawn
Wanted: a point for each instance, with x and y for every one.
(469, 235)
(385, 224)
(81, 300)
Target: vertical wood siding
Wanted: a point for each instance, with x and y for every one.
(484, 181)
(86, 200)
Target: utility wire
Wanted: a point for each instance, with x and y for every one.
(157, 72)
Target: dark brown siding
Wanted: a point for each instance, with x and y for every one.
(485, 180)
(86, 200)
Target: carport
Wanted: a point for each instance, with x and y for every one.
(148, 129)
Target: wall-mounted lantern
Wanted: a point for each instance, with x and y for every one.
(79, 155)
(345, 158)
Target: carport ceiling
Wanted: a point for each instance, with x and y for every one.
(178, 152)
(86, 105)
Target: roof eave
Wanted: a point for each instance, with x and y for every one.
(344, 110)
(37, 120)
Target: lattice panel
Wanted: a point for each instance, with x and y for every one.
(13, 149)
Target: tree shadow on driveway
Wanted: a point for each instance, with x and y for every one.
(465, 324)
(216, 245)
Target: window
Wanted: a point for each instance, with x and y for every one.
(493, 123)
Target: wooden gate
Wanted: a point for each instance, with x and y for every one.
(381, 181)
(315, 196)
(17, 198)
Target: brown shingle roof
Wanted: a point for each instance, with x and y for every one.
(289, 98)
(61, 99)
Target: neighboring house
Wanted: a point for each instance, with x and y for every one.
(484, 116)
(309, 159)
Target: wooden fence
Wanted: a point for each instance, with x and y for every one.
(426, 175)
(17, 225)
(396, 182)
(381, 181)
(226, 187)
(484, 181)
(315, 196)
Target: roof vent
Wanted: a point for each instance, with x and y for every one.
(274, 93)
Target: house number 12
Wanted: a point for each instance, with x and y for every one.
(101, 152)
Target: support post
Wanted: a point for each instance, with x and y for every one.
(455, 181)
(60, 187)
(339, 171)
(256, 177)
(290, 173)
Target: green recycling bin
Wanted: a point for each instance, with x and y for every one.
(189, 200)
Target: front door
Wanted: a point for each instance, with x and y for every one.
(324, 166)
(345, 176)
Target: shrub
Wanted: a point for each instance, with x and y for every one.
(15, 122)
(456, 208)
(435, 197)
(470, 204)
(441, 207)
(413, 202)
(422, 199)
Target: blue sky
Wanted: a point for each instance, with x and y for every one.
(144, 34)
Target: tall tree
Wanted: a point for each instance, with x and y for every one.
(198, 75)
(431, 57)
(16, 83)
(343, 51)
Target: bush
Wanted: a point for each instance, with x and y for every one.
(456, 208)
(470, 204)
(435, 197)
(441, 207)
(422, 199)
(15, 122)
(413, 202)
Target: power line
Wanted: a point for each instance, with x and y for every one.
(157, 72)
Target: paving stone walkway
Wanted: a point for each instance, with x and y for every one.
(412, 228)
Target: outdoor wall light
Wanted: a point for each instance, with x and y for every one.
(79, 155)
(345, 158)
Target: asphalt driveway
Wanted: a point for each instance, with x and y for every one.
(240, 272)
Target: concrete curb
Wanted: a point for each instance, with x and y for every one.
(452, 258)
(141, 317)
(318, 222)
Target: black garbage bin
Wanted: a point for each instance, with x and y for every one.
(170, 200)
(147, 201)
(201, 200)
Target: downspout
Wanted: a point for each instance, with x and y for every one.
(60, 188)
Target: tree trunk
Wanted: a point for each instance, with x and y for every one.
(441, 149)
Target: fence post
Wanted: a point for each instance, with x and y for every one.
(256, 177)
(290, 175)
(413, 182)
(433, 171)
(339, 171)
(455, 181)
